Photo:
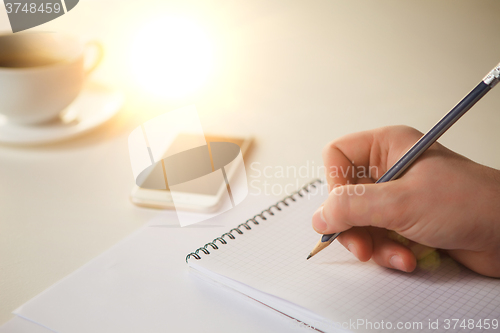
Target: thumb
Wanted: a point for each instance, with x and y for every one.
(378, 205)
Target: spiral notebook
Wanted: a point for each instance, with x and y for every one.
(265, 259)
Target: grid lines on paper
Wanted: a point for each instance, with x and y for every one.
(272, 258)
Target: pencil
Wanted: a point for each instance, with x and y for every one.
(427, 140)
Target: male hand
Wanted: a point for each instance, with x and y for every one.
(443, 200)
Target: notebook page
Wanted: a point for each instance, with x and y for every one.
(271, 258)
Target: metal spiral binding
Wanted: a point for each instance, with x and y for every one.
(246, 226)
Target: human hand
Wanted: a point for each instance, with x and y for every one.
(443, 200)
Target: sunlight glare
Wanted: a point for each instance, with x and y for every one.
(171, 57)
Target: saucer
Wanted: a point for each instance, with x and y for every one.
(95, 104)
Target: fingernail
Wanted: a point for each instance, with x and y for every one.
(319, 222)
(321, 214)
(353, 250)
(397, 262)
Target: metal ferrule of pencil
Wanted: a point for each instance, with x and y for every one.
(488, 82)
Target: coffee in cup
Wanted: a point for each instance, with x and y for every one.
(41, 74)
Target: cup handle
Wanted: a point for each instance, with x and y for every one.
(98, 53)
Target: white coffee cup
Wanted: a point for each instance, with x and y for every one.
(42, 73)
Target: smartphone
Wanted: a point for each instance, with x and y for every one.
(206, 198)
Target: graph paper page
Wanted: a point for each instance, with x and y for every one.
(271, 259)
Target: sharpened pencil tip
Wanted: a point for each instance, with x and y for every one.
(309, 256)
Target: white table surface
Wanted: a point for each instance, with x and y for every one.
(292, 74)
